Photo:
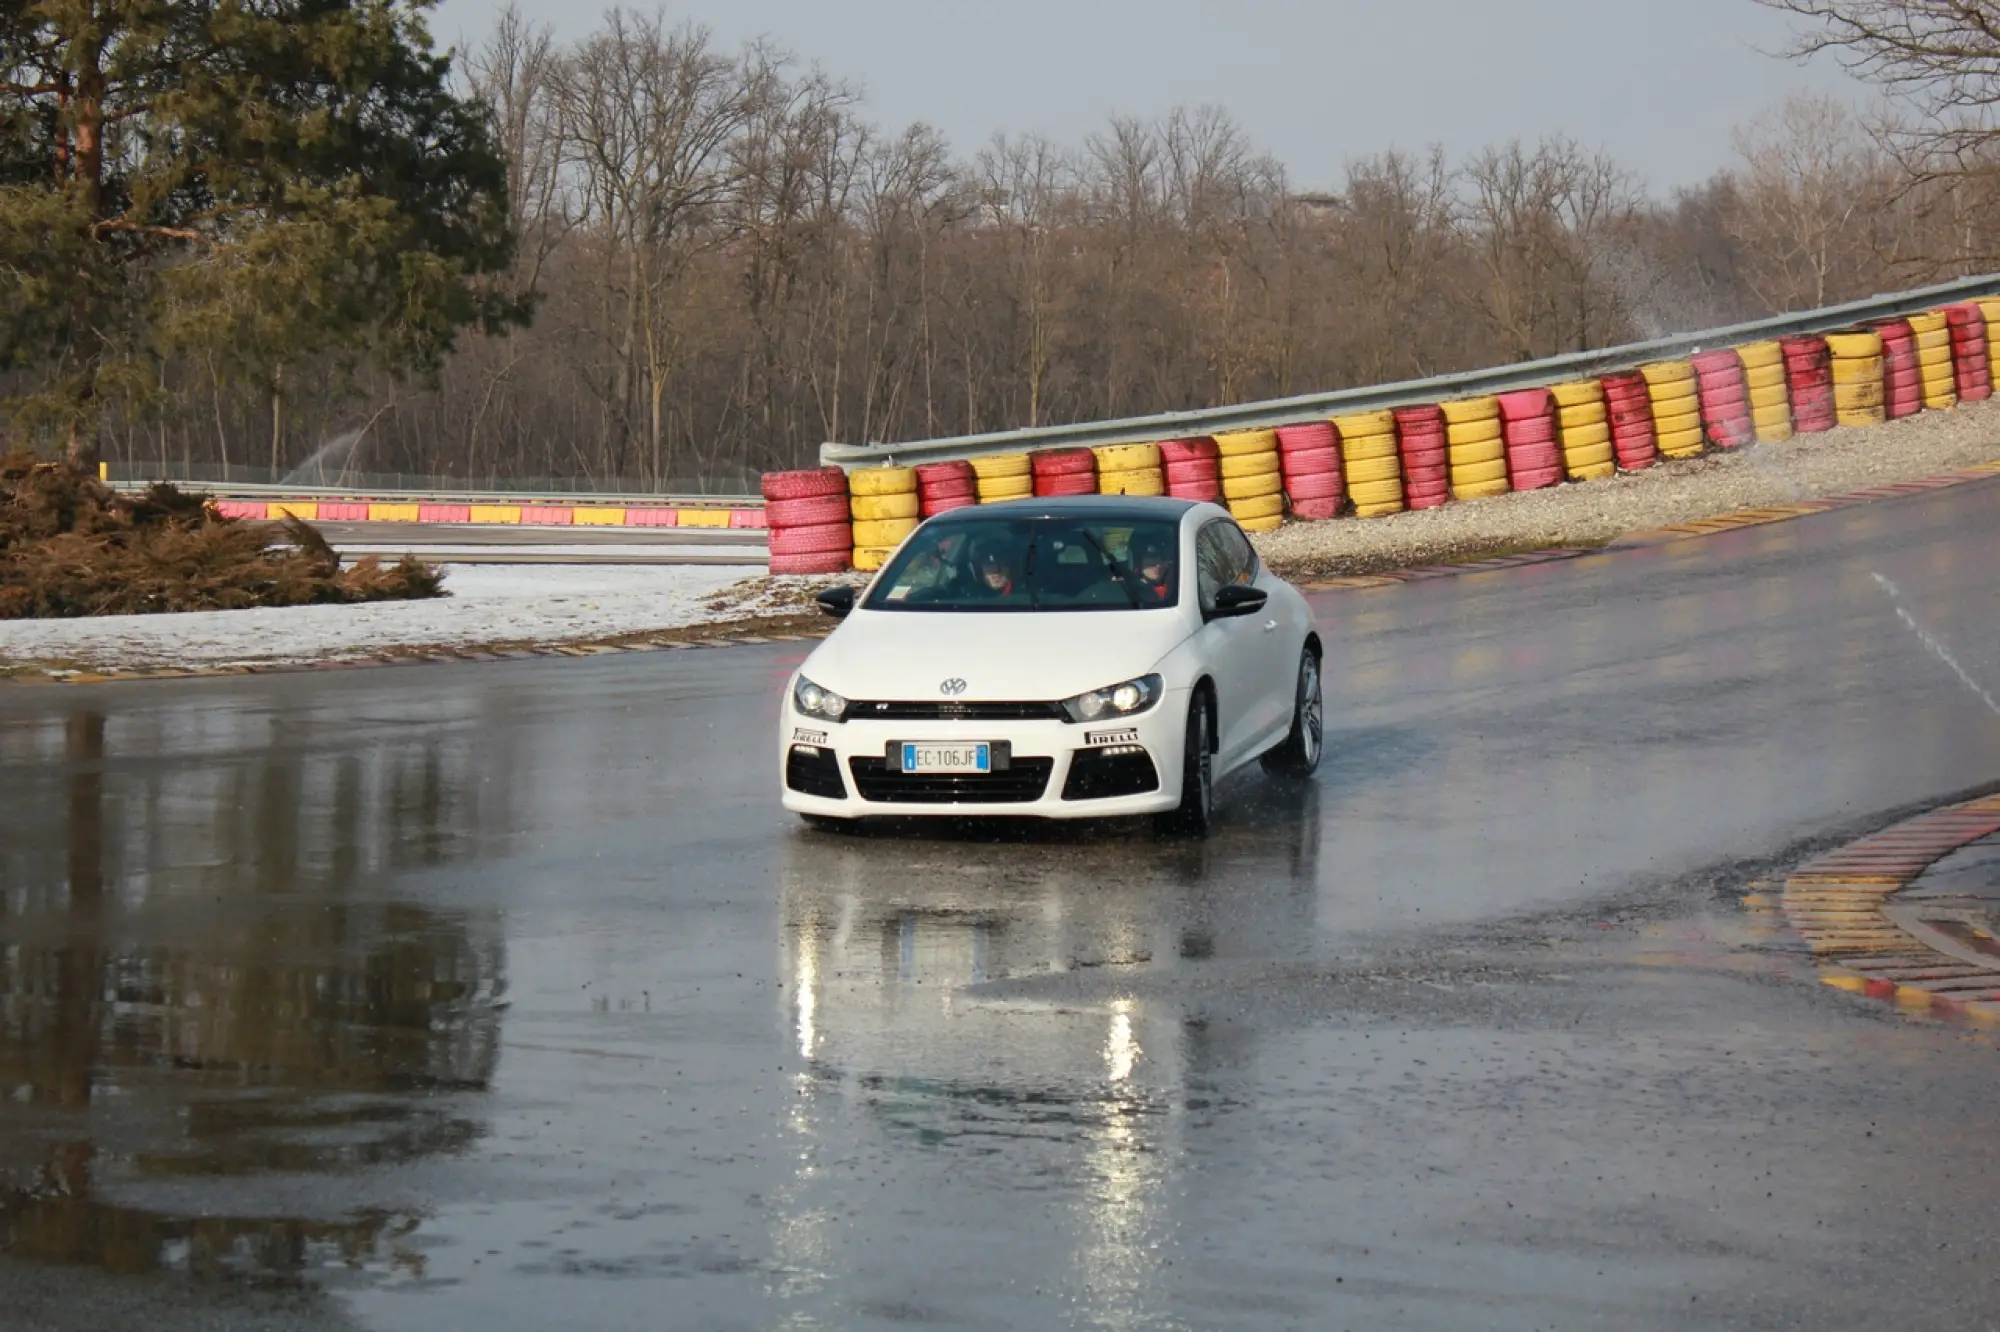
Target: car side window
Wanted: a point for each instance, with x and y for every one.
(1222, 556)
(1242, 555)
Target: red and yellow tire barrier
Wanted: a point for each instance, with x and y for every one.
(1064, 472)
(1629, 403)
(1989, 309)
(1857, 377)
(1475, 447)
(1725, 405)
(1902, 379)
(1933, 334)
(1315, 477)
(809, 518)
(1583, 430)
(1809, 381)
(1676, 400)
(1192, 469)
(942, 487)
(1371, 462)
(1764, 385)
(1420, 438)
(1253, 484)
(1528, 427)
(885, 505)
(1130, 469)
(1003, 476)
(1970, 351)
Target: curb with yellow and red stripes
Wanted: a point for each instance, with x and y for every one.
(1842, 903)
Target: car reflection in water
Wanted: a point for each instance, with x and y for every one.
(181, 1047)
(988, 1002)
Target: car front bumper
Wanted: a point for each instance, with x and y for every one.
(1054, 770)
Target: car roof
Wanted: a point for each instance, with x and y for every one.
(1076, 506)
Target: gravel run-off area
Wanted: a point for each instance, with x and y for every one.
(499, 607)
(1591, 513)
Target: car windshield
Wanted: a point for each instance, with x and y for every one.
(1030, 564)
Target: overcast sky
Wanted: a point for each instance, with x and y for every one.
(1658, 83)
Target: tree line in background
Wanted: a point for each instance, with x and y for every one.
(727, 264)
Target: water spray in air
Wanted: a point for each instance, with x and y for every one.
(1937, 649)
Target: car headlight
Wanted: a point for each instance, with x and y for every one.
(1119, 700)
(814, 701)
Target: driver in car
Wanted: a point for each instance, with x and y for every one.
(1154, 563)
(992, 571)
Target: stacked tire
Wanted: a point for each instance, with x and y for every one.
(1902, 378)
(1475, 447)
(1764, 386)
(1676, 407)
(808, 520)
(1064, 472)
(1970, 351)
(1583, 430)
(1528, 426)
(1629, 404)
(942, 487)
(1725, 405)
(1989, 307)
(1372, 462)
(1310, 462)
(1192, 469)
(1809, 381)
(1253, 483)
(1003, 476)
(1130, 469)
(1857, 378)
(885, 506)
(1933, 334)
(1420, 438)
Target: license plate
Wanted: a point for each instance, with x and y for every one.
(920, 757)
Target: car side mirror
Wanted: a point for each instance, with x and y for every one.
(836, 601)
(1236, 599)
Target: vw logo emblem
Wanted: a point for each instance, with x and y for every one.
(952, 688)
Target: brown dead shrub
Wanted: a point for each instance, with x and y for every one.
(72, 546)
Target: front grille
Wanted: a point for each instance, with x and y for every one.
(1100, 774)
(1023, 781)
(812, 771)
(953, 711)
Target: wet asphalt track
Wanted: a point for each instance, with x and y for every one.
(504, 997)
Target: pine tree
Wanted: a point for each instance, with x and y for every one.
(264, 180)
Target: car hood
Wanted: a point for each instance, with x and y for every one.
(908, 655)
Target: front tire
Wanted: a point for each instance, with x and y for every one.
(1195, 815)
(1297, 756)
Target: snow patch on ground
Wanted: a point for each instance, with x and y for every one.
(489, 604)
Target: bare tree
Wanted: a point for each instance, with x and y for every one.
(1805, 206)
(1938, 61)
(1544, 224)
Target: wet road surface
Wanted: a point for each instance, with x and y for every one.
(504, 995)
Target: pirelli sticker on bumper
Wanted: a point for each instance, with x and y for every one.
(1125, 737)
(803, 737)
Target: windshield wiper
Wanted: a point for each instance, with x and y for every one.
(1117, 570)
(1028, 571)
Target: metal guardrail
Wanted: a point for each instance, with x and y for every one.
(256, 490)
(1319, 406)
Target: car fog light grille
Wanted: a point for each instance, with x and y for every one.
(813, 771)
(1103, 774)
